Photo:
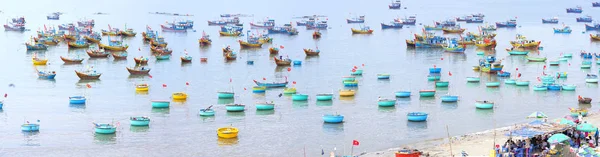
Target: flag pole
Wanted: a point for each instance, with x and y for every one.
(352, 150)
(449, 140)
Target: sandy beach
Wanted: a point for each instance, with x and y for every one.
(475, 144)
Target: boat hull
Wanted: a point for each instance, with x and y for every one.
(449, 98)
(206, 113)
(386, 103)
(333, 119)
(235, 108)
(403, 94)
(225, 95)
(492, 84)
(484, 105)
(473, 79)
(77, 100)
(299, 97)
(427, 94)
(139, 122)
(30, 127)
(265, 106)
(324, 97)
(105, 130)
(161, 104)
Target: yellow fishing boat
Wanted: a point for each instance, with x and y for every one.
(263, 40)
(486, 44)
(179, 96)
(129, 33)
(204, 41)
(249, 45)
(523, 42)
(78, 44)
(142, 87)
(38, 61)
(466, 42)
(365, 30)
(595, 36)
(237, 33)
(453, 30)
(227, 132)
(113, 48)
(347, 93)
(485, 35)
(94, 40)
(70, 37)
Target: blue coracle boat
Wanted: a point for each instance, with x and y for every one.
(333, 118)
(207, 112)
(435, 70)
(139, 121)
(235, 108)
(402, 94)
(417, 116)
(299, 97)
(102, 128)
(160, 103)
(503, 74)
(449, 98)
(554, 87)
(225, 95)
(77, 100)
(30, 127)
(265, 106)
(324, 97)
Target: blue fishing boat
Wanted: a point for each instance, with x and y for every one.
(173, 28)
(510, 81)
(324, 97)
(568, 87)
(30, 127)
(36, 46)
(265, 106)
(435, 70)
(503, 74)
(512, 23)
(333, 118)
(449, 98)
(231, 28)
(386, 102)
(411, 20)
(46, 74)
(160, 103)
(554, 87)
(484, 104)
(417, 116)
(360, 19)
(235, 107)
(402, 94)
(395, 5)
(357, 72)
(297, 62)
(474, 20)
(434, 27)
(584, 19)
(383, 76)
(391, 25)
(490, 59)
(139, 121)
(299, 97)
(272, 85)
(1, 104)
(540, 87)
(104, 128)
(596, 4)
(595, 26)
(473, 79)
(575, 10)
(77, 100)
(316, 25)
(270, 23)
(553, 20)
(447, 23)
(225, 95)
(565, 29)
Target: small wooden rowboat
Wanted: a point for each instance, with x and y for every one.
(161, 50)
(138, 71)
(141, 60)
(117, 56)
(71, 60)
(38, 61)
(230, 56)
(186, 59)
(361, 31)
(316, 35)
(88, 76)
(272, 50)
(78, 45)
(311, 52)
(97, 53)
(113, 48)
(584, 100)
(282, 62)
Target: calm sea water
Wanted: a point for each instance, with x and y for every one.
(293, 127)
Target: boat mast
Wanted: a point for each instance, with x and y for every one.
(449, 140)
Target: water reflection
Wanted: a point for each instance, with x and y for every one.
(449, 105)
(300, 104)
(79, 108)
(161, 111)
(325, 103)
(227, 141)
(207, 118)
(386, 109)
(484, 113)
(416, 126)
(105, 138)
(235, 114)
(139, 128)
(225, 101)
(333, 127)
(31, 138)
(141, 92)
(265, 112)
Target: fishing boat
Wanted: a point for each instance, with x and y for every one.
(282, 62)
(502, 74)
(583, 100)
(427, 93)
(158, 41)
(473, 79)
(225, 95)
(104, 128)
(204, 40)
(36, 46)
(142, 87)
(475, 20)
(265, 106)
(488, 28)
(39, 61)
(270, 23)
(86, 23)
(484, 104)
(311, 52)
(510, 81)
(139, 121)
(14, 27)
(94, 38)
(88, 75)
(441, 83)
(356, 72)
(138, 70)
(291, 90)
(99, 53)
(78, 44)
(161, 50)
(259, 89)
(160, 103)
(486, 44)
(433, 77)
(395, 4)
(402, 94)
(412, 20)
(383, 76)
(299, 97)
(359, 19)
(273, 50)
(173, 28)
(575, 10)
(110, 31)
(30, 127)
(46, 74)
(513, 51)
(540, 87)
(449, 98)
(395, 25)
(565, 29)
(562, 74)
(584, 19)
(230, 33)
(386, 102)
(77, 99)
(595, 4)
(554, 63)
(207, 111)
(127, 32)
(114, 45)
(316, 34)
(71, 60)
(434, 27)
(350, 83)
(119, 55)
(271, 85)
(595, 36)
(453, 46)
(47, 40)
(186, 59)
(324, 97)
(333, 118)
(252, 42)
(553, 20)
(512, 23)
(577, 112)
(591, 78)
(362, 30)
(524, 43)
(347, 93)
(227, 132)
(230, 56)
(417, 116)
(522, 83)
(140, 60)
(455, 29)
(492, 84)
(68, 26)
(179, 96)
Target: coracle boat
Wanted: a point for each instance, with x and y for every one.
(383, 76)
(299, 97)
(160, 103)
(104, 128)
(138, 71)
(402, 94)
(140, 60)
(186, 59)
(179, 96)
(30, 127)
(71, 60)
(39, 61)
(577, 112)
(324, 97)
(417, 116)
(347, 93)
(88, 75)
(522, 83)
(139, 121)
(265, 106)
(225, 95)
(492, 84)
(449, 98)
(273, 50)
(350, 83)
(362, 30)
(235, 107)
(513, 51)
(386, 102)
(427, 93)
(163, 56)
(114, 45)
(100, 53)
(207, 111)
(291, 90)
(259, 89)
(568, 87)
(282, 62)
(142, 87)
(78, 44)
(441, 83)
(484, 104)
(584, 100)
(540, 87)
(435, 70)
(311, 52)
(333, 118)
(77, 100)
(227, 132)
(119, 56)
(536, 59)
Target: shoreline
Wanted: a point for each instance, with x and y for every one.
(474, 144)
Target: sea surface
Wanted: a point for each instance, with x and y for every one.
(293, 128)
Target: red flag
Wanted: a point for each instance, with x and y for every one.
(281, 46)
(517, 69)
(230, 80)
(244, 88)
(442, 58)
(544, 66)
(355, 143)
(289, 69)
(363, 64)
(139, 49)
(434, 66)
(264, 78)
(294, 82)
(353, 70)
(150, 76)
(5, 95)
(88, 85)
(355, 67)
(449, 73)
(164, 85)
(187, 83)
(519, 75)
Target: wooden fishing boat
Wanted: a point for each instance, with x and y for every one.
(138, 71)
(230, 56)
(92, 39)
(536, 59)
(71, 60)
(161, 50)
(526, 44)
(363, 30)
(316, 35)
(88, 75)
(453, 30)
(36, 46)
(230, 33)
(227, 132)
(119, 56)
(114, 46)
(245, 44)
(70, 37)
(583, 100)
(140, 60)
(186, 59)
(311, 52)
(47, 41)
(158, 41)
(347, 93)
(128, 33)
(273, 50)
(486, 45)
(100, 53)
(110, 32)
(283, 62)
(595, 36)
(78, 44)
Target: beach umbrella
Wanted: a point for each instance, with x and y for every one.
(565, 121)
(557, 138)
(537, 115)
(586, 127)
